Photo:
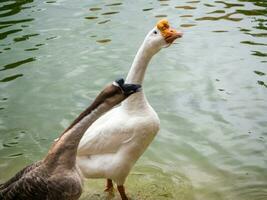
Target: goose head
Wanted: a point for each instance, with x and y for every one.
(161, 36)
(116, 92)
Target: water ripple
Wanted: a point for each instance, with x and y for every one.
(253, 43)
(16, 21)
(208, 5)
(216, 11)
(230, 5)
(186, 7)
(258, 53)
(110, 13)
(259, 73)
(161, 16)
(14, 7)
(258, 34)
(251, 190)
(255, 12)
(3, 35)
(95, 9)
(224, 17)
(147, 9)
(24, 37)
(15, 155)
(17, 64)
(91, 17)
(114, 4)
(104, 41)
(104, 22)
(193, 2)
(11, 78)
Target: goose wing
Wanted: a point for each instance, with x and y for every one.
(27, 187)
(107, 134)
(20, 174)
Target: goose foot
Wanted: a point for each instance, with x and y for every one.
(122, 192)
(109, 186)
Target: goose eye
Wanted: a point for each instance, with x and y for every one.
(155, 32)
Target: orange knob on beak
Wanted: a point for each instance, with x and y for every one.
(168, 33)
(172, 35)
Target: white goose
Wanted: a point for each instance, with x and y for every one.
(112, 145)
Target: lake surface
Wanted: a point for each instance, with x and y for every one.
(209, 89)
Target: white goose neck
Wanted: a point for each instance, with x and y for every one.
(136, 76)
(138, 68)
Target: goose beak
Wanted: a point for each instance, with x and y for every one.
(127, 89)
(167, 32)
(172, 35)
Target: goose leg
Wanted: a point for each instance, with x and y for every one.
(122, 192)
(109, 186)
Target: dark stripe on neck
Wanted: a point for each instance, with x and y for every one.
(87, 111)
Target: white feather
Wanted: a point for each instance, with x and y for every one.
(114, 142)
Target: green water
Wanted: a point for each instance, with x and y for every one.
(209, 89)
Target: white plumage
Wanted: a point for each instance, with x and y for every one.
(115, 142)
(112, 145)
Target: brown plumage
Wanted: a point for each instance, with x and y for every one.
(36, 182)
(56, 177)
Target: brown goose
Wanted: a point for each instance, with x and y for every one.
(56, 177)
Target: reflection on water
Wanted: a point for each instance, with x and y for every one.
(24, 37)
(225, 17)
(186, 7)
(109, 13)
(147, 9)
(17, 64)
(103, 22)
(161, 16)
(113, 4)
(104, 41)
(95, 9)
(91, 17)
(56, 55)
(11, 78)
(229, 5)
